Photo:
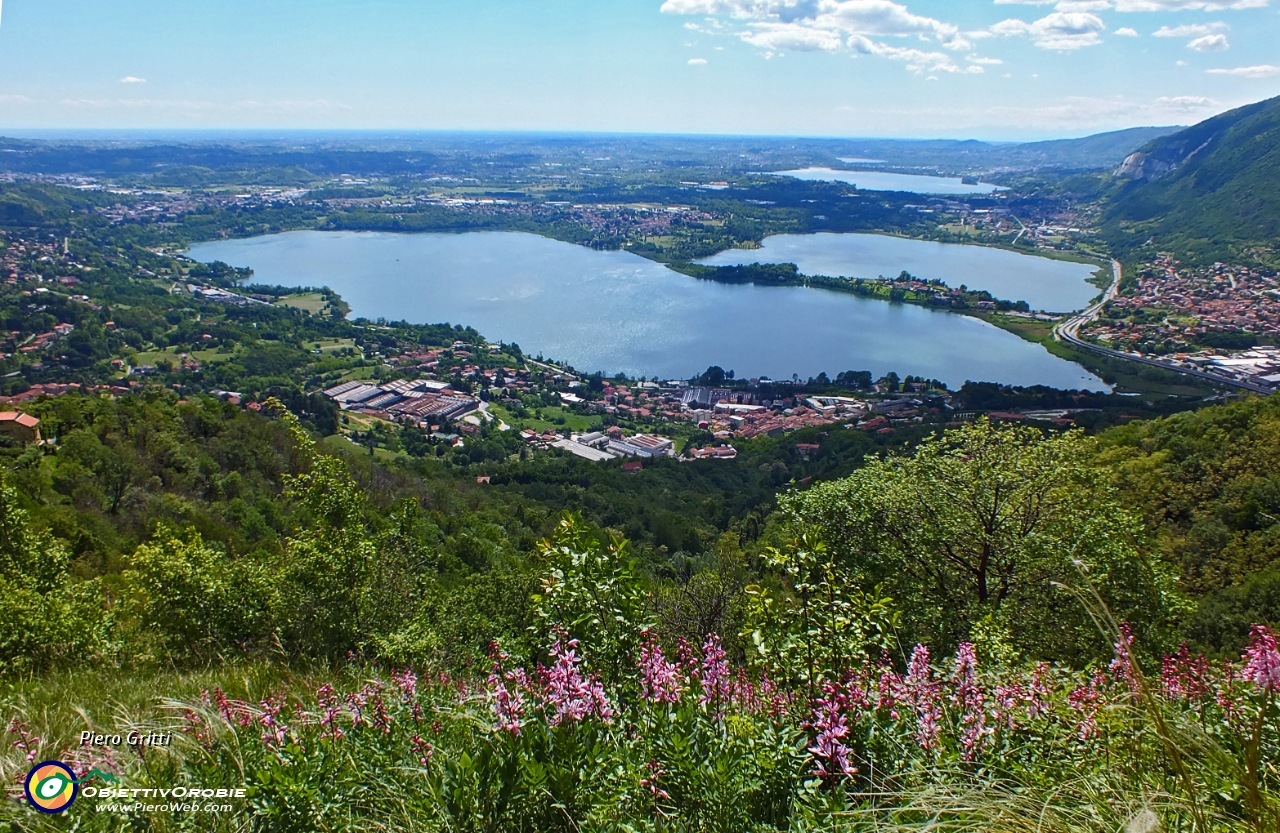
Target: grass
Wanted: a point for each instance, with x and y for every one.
(358, 374)
(312, 302)
(172, 353)
(332, 344)
(59, 706)
(572, 421)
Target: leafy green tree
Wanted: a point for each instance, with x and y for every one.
(591, 588)
(47, 618)
(993, 522)
(822, 625)
(194, 600)
(338, 589)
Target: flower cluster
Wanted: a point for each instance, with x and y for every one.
(569, 696)
(970, 700)
(27, 741)
(923, 693)
(713, 674)
(830, 725)
(1185, 676)
(1262, 660)
(660, 680)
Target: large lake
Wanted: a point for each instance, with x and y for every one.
(886, 181)
(1045, 284)
(615, 311)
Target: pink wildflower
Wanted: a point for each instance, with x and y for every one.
(651, 781)
(1227, 697)
(28, 742)
(273, 730)
(714, 672)
(1008, 699)
(1123, 664)
(889, 689)
(920, 690)
(507, 690)
(407, 682)
(1087, 700)
(571, 696)
(330, 709)
(971, 701)
(1262, 660)
(830, 752)
(1040, 692)
(381, 718)
(660, 680)
(1185, 676)
(421, 748)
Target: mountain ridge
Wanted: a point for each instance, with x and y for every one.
(1206, 192)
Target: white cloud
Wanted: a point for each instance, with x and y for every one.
(1210, 43)
(793, 36)
(916, 60)
(1126, 32)
(834, 26)
(1187, 5)
(1060, 30)
(132, 79)
(990, 62)
(1083, 5)
(1190, 30)
(1140, 5)
(1186, 103)
(1263, 71)
(697, 62)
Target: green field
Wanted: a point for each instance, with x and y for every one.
(572, 421)
(172, 353)
(312, 302)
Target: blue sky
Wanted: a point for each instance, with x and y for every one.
(963, 68)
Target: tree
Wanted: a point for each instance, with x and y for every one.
(822, 625)
(341, 584)
(197, 601)
(985, 524)
(46, 617)
(593, 591)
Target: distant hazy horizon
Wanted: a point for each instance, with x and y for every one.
(268, 134)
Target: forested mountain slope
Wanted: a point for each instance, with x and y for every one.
(1208, 192)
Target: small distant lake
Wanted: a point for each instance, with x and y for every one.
(858, 160)
(886, 181)
(1045, 284)
(615, 311)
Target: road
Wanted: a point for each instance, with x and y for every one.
(1069, 331)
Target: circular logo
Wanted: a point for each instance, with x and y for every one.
(51, 787)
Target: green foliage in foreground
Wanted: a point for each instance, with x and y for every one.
(988, 528)
(608, 702)
(680, 740)
(1207, 485)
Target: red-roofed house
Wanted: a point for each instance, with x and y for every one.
(22, 427)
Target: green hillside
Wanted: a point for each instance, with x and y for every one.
(1207, 192)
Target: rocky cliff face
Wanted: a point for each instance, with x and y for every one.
(1142, 167)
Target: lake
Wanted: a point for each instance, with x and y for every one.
(617, 312)
(1045, 284)
(886, 181)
